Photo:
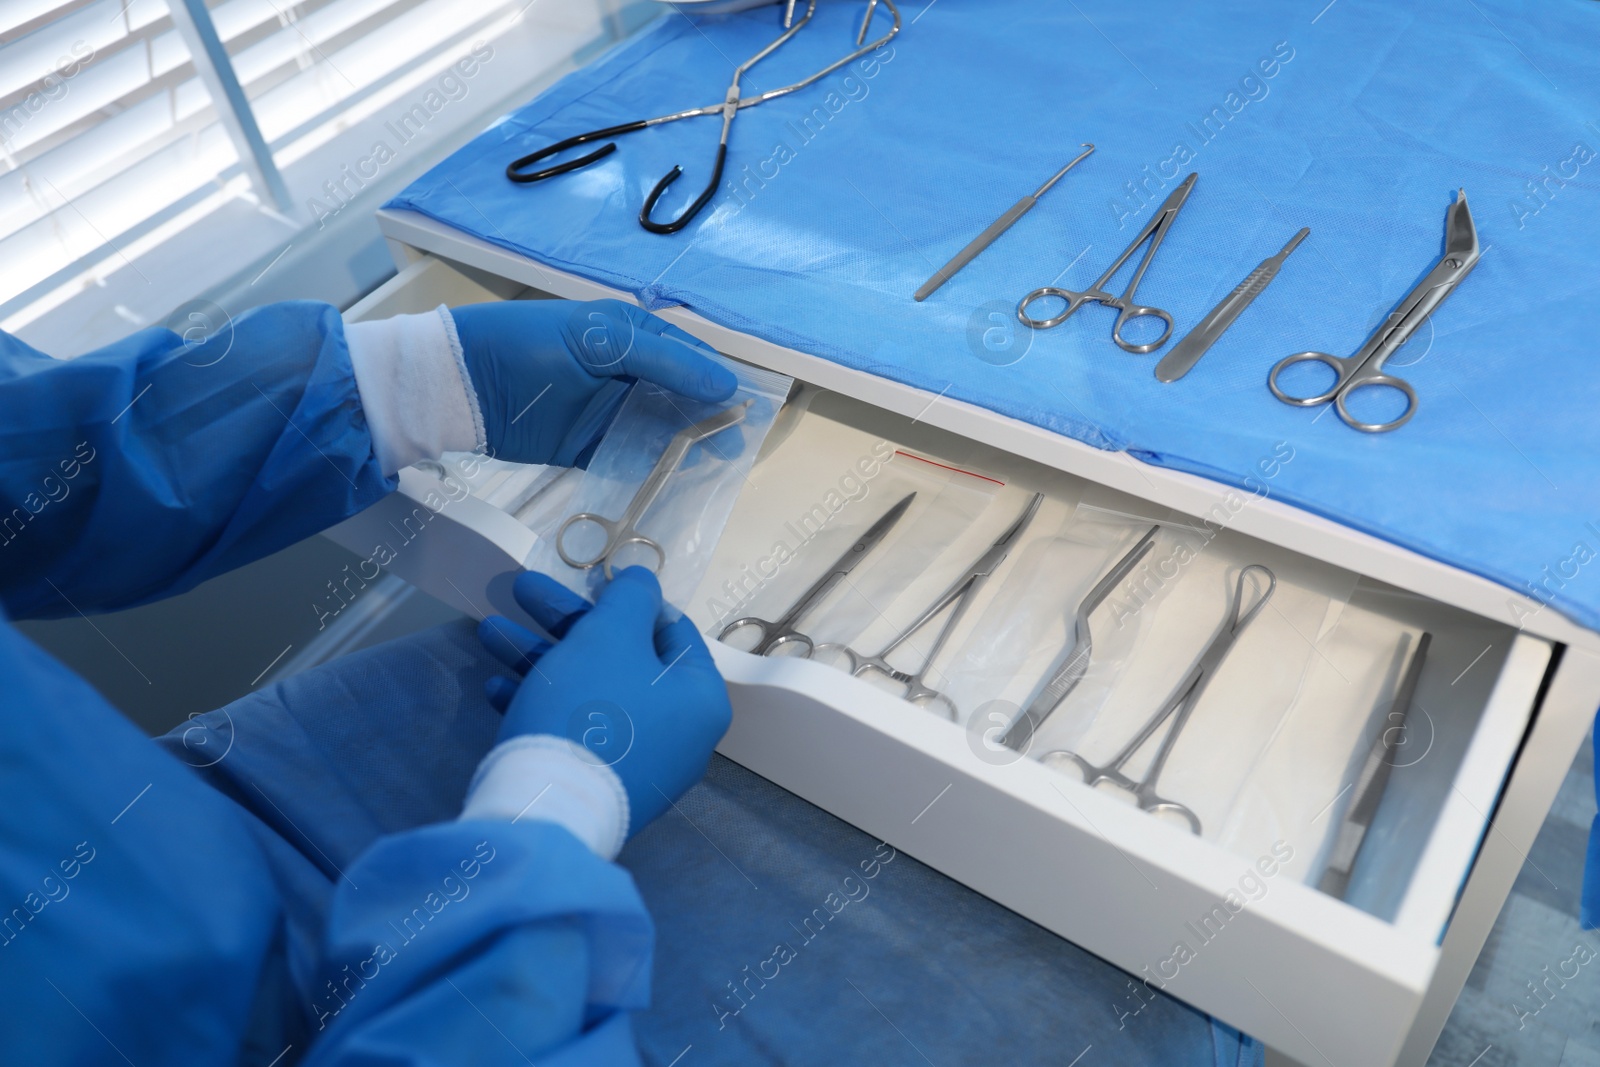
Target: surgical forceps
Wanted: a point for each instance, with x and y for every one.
(623, 532)
(958, 597)
(1155, 231)
(1065, 678)
(730, 106)
(777, 633)
(1364, 370)
(1178, 707)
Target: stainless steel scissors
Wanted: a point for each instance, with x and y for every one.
(622, 532)
(1178, 707)
(731, 104)
(777, 633)
(1365, 369)
(1155, 231)
(1065, 678)
(958, 597)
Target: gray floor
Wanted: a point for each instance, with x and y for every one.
(1499, 1022)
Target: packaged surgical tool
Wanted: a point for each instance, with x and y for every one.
(1178, 708)
(1075, 664)
(955, 600)
(781, 633)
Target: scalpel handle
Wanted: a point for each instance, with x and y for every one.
(1182, 359)
(975, 246)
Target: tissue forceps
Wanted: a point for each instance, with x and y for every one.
(1364, 370)
(1155, 231)
(623, 531)
(775, 633)
(1065, 678)
(958, 598)
(728, 107)
(1178, 707)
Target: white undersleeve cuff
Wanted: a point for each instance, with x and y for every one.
(414, 387)
(551, 779)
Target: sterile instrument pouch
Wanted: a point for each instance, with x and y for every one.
(1027, 637)
(917, 559)
(1245, 703)
(833, 521)
(1302, 784)
(680, 487)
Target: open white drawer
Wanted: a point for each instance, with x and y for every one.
(1227, 928)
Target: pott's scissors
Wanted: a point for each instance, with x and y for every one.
(958, 598)
(728, 107)
(1178, 707)
(1065, 678)
(1365, 369)
(623, 532)
(1155, 231)
(780, 633)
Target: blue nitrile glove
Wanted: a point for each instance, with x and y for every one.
(549, 374)
(649, 702)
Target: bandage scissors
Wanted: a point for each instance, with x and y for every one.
(731, 104)
(1155, 231)
(623, 532)
(1065, 678)
(1178, 707)
(1365, 369)
(957, 598)
(781, 632)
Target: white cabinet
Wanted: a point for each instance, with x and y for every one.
(1226, 920)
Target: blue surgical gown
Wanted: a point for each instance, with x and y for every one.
(206, 910)
(282, 881)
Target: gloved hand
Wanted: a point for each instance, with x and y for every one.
(549, 374)
(648, 702)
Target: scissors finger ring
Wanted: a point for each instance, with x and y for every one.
(623, 532)
(616, 541)
(1378, 380)
(1341, 374)
(1139, 311)
(773, 635)
(1074, 302)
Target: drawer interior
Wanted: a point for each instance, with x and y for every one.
(1274, 747)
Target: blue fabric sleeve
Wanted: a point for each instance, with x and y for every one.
(143, 468)
(411, 938)
(511, 939)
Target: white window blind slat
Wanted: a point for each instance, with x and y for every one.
(108, 134)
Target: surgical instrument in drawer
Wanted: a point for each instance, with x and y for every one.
(1071, 669)
(957, 598)
(1178, 707)
(781, 632)
(1373, 777)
